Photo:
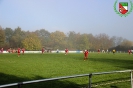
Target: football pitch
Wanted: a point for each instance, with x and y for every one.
(29, 67)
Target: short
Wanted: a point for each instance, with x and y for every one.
(85, 55)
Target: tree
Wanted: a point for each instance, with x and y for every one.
(83, 42)
(116, 40)
(103, 41)
(126, 43)
(58, 40)
(32, 42)
(2, 37)
(8, 34)
(17, 37)
(44, 36)
(91, 41)
(71, 40)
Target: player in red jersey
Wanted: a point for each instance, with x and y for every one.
(98, 51)
(129, 52)
(23, 51)
(1, 50)
(66, 51)
(86, 52)
(43, 50)
(85, 55)
(19, 50)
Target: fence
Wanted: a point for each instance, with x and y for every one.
(66, 77)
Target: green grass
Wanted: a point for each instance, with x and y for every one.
(37, 66)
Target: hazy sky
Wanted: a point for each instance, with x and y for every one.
(84, 16)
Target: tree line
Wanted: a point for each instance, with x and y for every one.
(37, 39)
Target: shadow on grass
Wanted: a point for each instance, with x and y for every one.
(127, 64)
(8, 79)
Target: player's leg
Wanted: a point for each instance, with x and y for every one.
(18, 54)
